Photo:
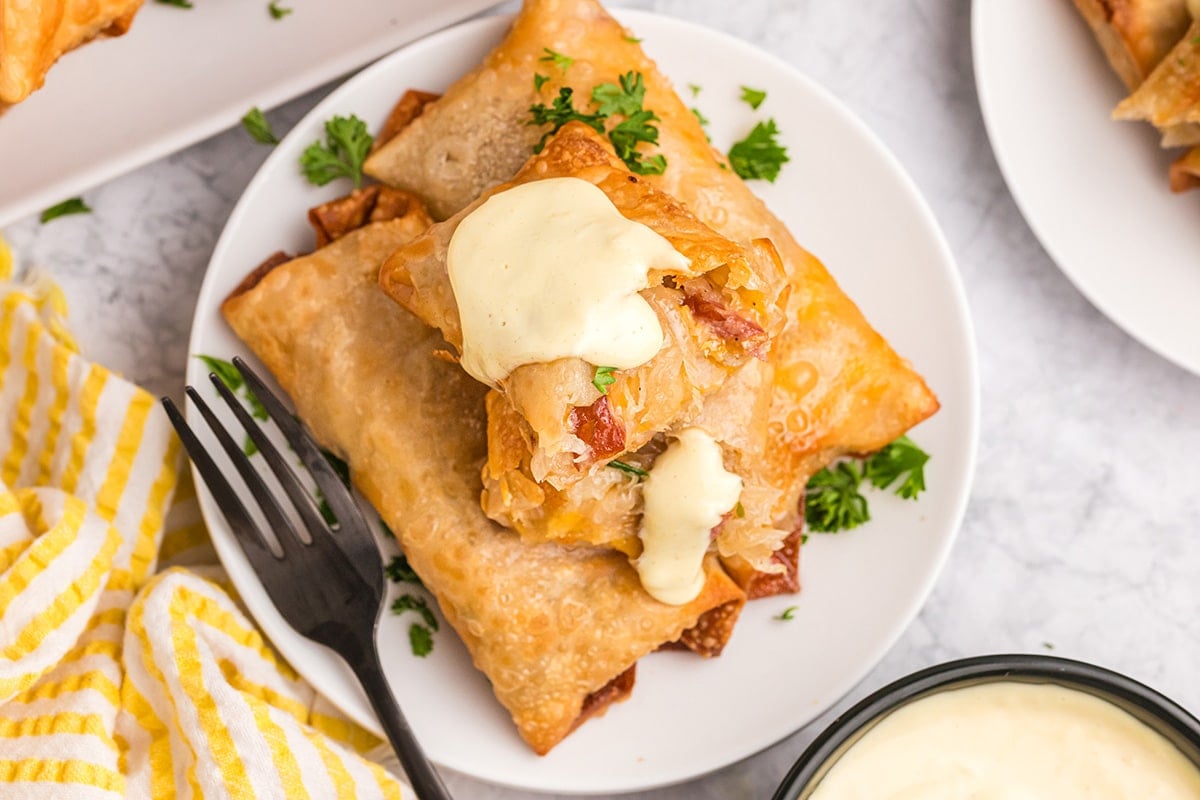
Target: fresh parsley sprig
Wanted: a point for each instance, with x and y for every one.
(759, 155)
(278, 11)
(625, 98)
(561, 111)
(347, 143)
(833, 500)
(900, 459)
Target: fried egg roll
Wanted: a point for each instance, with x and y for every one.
(555, 630)
(33, 35)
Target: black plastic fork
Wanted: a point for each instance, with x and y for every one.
(329, 581)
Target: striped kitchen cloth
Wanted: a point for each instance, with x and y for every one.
(119, 678)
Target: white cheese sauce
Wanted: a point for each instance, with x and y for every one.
(1011, 741)
(685, 495)
(550, 269)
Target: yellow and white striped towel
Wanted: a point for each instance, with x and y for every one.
(117, 680)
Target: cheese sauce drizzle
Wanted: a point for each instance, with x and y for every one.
(685, 496)
(550, 269)
(1011, 741)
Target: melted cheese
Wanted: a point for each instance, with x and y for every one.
(1011, 741)
(684, 497)
(550, 269)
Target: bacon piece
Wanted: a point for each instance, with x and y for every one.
(707, 305)
(615, 691)
(376, 203)
(766, 584)
(599, 428)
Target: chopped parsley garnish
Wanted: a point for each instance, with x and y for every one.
(410, 602)
(626, 137)
(400, 571)
(604, 379)
(759, 155)
(901, 458)
(343, 472)
(420, 639)
(739, 510)
(277, 11)
(539, 80)
(832, 500)
(630, 468)
(695, 89)
(67, 207)
(753, 97)
(347, 143)
(233, 380)
(257, 126)
(627, 98)
(420, 634)
(788, 613)
(1048, 645)
(624, 99)
(176, 3)
(632, 39)
(638, 125)
(558, 59)
(559, 113)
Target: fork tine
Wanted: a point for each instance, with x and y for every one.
(227, 499)
(301, 499)
(341, 502)
(262, 494)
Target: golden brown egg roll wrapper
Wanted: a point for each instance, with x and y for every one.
(34, 34)
(838, 386)
(1136, 35)
(549, 626)
(716, 315)
(1170, 97)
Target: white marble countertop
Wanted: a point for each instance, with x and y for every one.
(1083, 531)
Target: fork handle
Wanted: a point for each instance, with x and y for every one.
(426, 782)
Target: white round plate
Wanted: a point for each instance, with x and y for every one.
(849, 201)
(1093, 190)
